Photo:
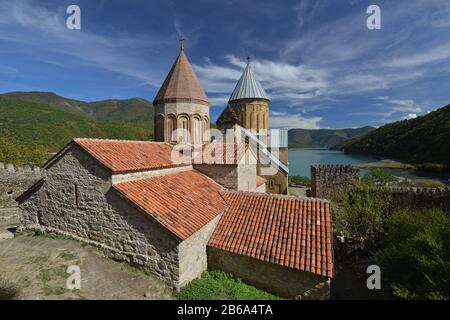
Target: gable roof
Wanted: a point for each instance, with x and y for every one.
(288, 231)
(181, 84)
(182, 202)
(248, 86)
(123, 156)
(221, 153)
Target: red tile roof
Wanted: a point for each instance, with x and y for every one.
(182, 202)
(288, 231)
(260, 181)
(121, 156)
(220, 153)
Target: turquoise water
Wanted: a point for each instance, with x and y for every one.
(300, 160)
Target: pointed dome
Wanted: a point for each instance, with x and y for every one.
(181, 84)
(248, 86)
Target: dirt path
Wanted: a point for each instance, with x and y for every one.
(38, 266)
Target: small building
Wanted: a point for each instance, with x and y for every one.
(279, 243)
(133, 202)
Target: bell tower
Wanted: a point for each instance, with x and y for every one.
(181, 106)
(248, 109)
(248, 105)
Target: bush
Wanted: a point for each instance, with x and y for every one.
(416, 260)
(8, 289)
(378, 177)
(359, 217)
(305, 181)
(216, 285)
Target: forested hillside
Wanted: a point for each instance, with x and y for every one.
(30, 132)
(424, 140)
(323, 138)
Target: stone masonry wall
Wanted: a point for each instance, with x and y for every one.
(279, 280)
(14, 180)
(77, 199)
(328, 181)
(420, 198)
(192, 253)
(224, 174)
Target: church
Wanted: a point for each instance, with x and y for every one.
(209, 204)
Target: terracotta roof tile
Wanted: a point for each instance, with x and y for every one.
(182, 202)
(289, 231)
(122, 156)
(220, 153)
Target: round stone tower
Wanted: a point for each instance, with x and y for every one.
(248, 105)
(181, 106)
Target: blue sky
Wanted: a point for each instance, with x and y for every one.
(317, 60)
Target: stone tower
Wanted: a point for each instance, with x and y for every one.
(248, 105)
(181, 106)
(248, 108)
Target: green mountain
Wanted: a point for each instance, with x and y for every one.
(323, 138)
(31, 131)
(424, 140)
(134, 110)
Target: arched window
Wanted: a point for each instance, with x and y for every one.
(159, 128)
(196, 130)
(206, 132)
(171, 126)
(183, 129)
(258, 124)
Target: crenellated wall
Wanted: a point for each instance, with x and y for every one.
(420, 198)
(328, 181)
(14, 180)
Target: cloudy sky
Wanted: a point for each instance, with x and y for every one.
(320, 64)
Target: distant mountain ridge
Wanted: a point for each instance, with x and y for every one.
(424, 140)
(135, 110)
(323, 138)
(34, 125)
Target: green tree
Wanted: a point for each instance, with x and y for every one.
(416, 260)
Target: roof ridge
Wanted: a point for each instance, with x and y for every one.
(276, 196)
(119, 140)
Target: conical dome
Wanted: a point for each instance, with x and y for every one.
(248, 86)
(181, 84)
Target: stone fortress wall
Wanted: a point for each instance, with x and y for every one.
(328, 181)
(14, 180)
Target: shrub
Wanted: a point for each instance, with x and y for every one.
(216, 285)
(359, 217)
(378, 177)
(416, 260)
(305, 181)
(8, 289)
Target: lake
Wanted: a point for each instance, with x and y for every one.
(300, 160)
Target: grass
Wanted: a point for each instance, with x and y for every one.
(216, 285)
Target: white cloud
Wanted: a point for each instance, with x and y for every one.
(284, 82)
(44, 31)
(411, 116)
(435, 54)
